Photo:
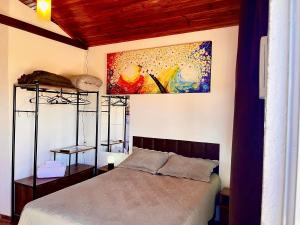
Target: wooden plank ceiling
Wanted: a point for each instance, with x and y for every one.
(98, 22)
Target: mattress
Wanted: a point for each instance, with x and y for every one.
(127, 197)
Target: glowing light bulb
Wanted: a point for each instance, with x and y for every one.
(44, 9)
(43, 6)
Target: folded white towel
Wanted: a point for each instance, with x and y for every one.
(51, 169)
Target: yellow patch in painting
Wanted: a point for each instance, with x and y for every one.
(166, 75)
(131, 73)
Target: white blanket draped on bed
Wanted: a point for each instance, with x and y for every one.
(126, 197)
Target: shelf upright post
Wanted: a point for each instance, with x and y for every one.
(77, 125)
(97, 131)
(36, 127)
(13, 154)
(108, 124)
(70, 157)
(125, 124)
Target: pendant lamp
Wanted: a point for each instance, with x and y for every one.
(43, 9)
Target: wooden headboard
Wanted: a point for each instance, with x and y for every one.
(185, 148)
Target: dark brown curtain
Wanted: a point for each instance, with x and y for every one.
(248, 132)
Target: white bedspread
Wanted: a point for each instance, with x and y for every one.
(126, 197)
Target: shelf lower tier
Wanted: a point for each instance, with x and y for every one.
(24, 187)
(112, 143)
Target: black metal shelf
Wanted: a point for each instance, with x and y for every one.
(37, 88)
(65, 150)
(113, 143)
(109, 102)
(71, 152)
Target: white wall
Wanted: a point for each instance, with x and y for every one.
(276, 115)
(281, 181)
(4, 112)
(297, 206)
(23, 53)
(196, 117)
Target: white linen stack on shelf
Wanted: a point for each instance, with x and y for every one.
(51, 169)
(86, 82)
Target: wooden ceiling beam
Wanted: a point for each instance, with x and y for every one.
(12, 22)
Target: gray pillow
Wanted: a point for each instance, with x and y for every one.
(145, 160)
(191, 168)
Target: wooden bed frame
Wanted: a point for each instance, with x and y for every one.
(186, 148)
(190, 149)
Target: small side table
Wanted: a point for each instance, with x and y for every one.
(103, 169)
(224, 206)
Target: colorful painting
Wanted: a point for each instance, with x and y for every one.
(182, 68)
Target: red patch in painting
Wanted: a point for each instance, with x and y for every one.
(111, 59)
(125, 87)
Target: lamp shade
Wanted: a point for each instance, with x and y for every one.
(43, 9)
(110, 159)
(110, 162)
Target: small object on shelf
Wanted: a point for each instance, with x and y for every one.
(110, 166)
(111, 162)
(224, 205)
(45, 78)
(51, 169)
(86, 82)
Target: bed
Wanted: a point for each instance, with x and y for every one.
(130, 197)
